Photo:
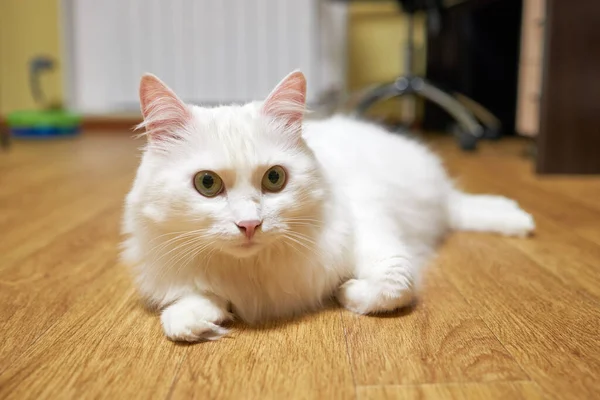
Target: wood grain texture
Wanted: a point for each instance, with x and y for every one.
(568, 231)
(441, 340)
(558, 319)
(304, 357)
(498, 318)
(469, 391)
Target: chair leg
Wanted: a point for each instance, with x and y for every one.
(493, 126)
(451, 106)
(470, 130)
(379, 93)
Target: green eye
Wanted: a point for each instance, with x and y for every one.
(208, 184)
(274, 179)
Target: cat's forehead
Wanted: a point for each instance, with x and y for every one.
(227, 122)
(232, 135)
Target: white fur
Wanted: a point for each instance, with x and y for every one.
(360, 215)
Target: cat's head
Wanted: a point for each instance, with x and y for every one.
(235, 179)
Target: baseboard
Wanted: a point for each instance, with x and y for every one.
(109, 124)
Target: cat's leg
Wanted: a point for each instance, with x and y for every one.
(386, 272)
(195, 317)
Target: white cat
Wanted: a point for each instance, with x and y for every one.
(252, 211)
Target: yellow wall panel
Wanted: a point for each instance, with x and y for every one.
(28, 28)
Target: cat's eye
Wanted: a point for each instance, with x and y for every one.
(208, 184)
(274, 179)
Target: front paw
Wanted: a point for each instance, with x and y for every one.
(370, 297)
(192, 321)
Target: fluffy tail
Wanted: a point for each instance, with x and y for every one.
(486, 213)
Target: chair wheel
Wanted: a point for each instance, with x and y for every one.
(492, 133)
(466, 141)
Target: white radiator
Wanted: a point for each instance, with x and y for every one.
(208, 51)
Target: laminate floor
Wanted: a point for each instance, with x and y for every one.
(499, 318)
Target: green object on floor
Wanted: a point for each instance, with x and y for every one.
(43, 123)
(52, 120)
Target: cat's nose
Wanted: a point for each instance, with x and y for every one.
(248, 228)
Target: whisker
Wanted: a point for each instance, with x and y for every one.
(174, 233)
(196, 233)
(191, 255)
(298, 242)
(301, 236)
(188, 242)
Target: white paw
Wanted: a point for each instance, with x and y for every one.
(193, 321)
(364, 296)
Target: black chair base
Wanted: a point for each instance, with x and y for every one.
(474, 122)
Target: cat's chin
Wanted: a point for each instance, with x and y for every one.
(243, 250)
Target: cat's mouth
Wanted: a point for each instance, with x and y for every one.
(245, 249)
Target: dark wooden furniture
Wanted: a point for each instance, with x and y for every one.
(569, 135)
(538, 70)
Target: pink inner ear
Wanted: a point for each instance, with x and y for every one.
(164, 113)
(288, 99)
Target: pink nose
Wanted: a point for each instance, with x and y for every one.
(249, 227)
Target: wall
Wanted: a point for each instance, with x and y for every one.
(27, 28)
(31, 27)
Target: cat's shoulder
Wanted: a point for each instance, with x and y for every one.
(351, 128)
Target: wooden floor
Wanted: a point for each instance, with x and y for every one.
(499, 318)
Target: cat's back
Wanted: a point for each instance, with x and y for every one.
(346, 143)
(375, 171)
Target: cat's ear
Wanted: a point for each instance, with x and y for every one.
(164, 113)
(288, 100)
